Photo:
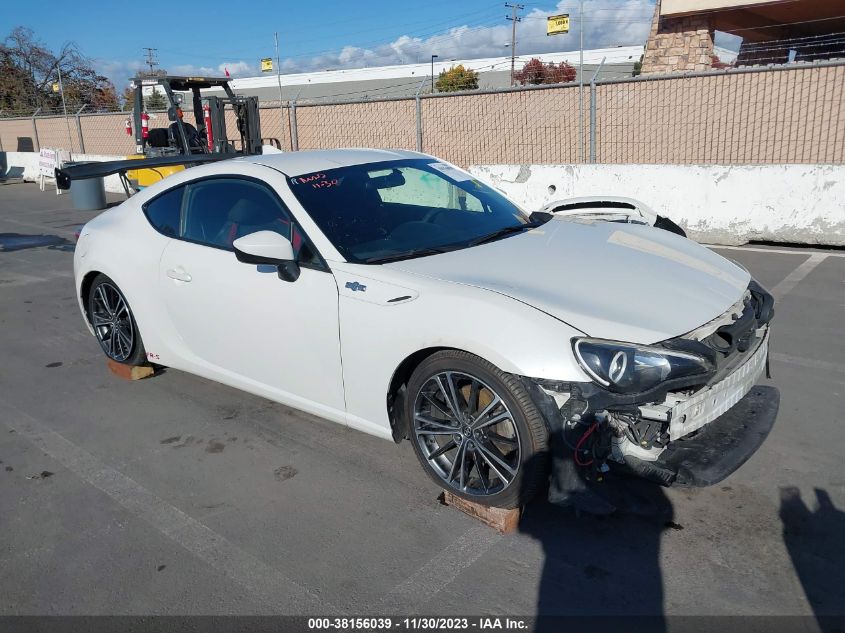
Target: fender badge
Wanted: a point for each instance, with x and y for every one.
(354, 286)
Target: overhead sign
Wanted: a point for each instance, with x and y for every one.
(266, 65)
(556, 24)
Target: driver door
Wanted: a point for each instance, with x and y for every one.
(239, 323)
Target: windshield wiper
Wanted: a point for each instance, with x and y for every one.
(508, 230)
(417, 252)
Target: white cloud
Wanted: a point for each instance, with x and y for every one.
(607, 23)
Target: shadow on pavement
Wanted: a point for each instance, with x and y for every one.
(815, 540)
(10, 242)
(601, 565)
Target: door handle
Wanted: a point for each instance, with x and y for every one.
(179, 274)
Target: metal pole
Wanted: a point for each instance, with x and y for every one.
(294, 135)
(433, 57)
(64, 107)
(593, 111)
(581, 85)
(419, 116)
(278, 74)
(35, 130)
(79, 129)
(592, 122)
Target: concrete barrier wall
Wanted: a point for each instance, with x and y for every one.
(716, 204)
(28, 161)
(804, 204)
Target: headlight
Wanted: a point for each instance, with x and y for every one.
(631, 368)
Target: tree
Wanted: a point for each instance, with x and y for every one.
(457, 78)
(127, 99)
(28, 70)
(638, 67)
(536, 72)
(155, 101)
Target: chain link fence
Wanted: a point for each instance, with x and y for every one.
(780, 114)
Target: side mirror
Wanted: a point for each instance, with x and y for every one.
(268, 247)
(171, 113)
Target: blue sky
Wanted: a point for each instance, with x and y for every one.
(208, 35)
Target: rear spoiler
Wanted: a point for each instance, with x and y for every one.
(66, 175)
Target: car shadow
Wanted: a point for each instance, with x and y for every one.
(11, 242)
(815, 540)
(606, 566)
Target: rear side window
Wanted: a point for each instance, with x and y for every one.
(164, 212)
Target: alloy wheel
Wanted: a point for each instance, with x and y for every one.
(467, 434)
(112, 322)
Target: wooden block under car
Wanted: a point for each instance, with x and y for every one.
(130, 372)
(505, 521)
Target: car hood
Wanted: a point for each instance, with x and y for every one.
(609, 280)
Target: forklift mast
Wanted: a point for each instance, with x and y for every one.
(184, 138)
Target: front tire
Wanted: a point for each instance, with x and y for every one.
(475, 430)
(113, 322)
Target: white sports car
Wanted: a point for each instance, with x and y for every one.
(395, 293)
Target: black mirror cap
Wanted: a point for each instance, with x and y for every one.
(248, 258)
(288, 271)
(171, 113)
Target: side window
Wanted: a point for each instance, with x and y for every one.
(164, 212)
(421, 188)
(218, 211)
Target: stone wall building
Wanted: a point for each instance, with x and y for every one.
(772, 31)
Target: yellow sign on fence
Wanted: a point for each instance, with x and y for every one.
(266, 65)
(557, 24)
(56, 87)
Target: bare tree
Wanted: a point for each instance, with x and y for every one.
(30, 71)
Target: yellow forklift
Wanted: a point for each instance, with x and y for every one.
(207, 135)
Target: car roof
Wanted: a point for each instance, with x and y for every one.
(305, 162)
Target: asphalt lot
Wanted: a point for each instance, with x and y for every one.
(175, 495)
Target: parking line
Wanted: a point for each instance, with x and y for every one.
(440, 571)
(264, 583)
(776, 251)
(792, 279)
(809, 363)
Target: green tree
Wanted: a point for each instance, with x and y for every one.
(457, 78)
(155, 101)
(638, 67)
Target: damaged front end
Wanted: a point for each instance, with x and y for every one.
(683, 412)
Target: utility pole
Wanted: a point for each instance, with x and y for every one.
(514, 18)
(152, 62)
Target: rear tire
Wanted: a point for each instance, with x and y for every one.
(475, 430)
(114, 324)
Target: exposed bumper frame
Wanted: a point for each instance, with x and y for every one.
(719, 448)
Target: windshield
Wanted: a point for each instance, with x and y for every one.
(395, 210)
